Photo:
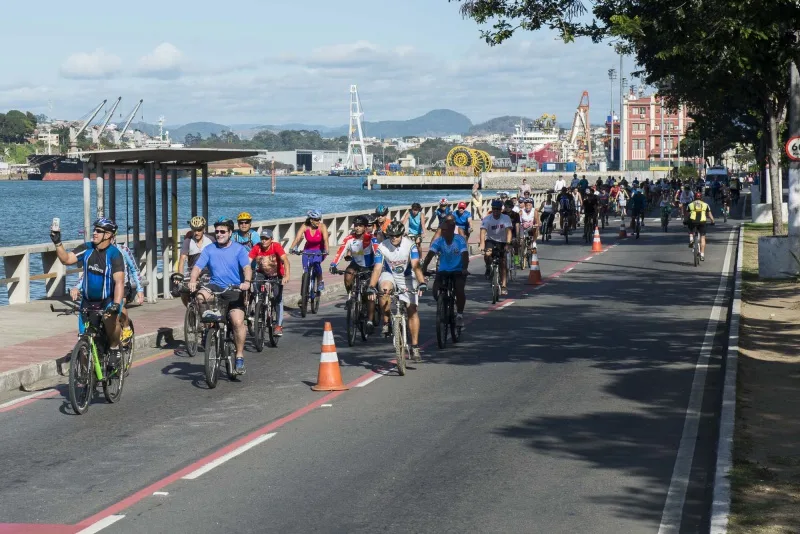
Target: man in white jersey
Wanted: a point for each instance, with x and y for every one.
(396, 259)
(529, 220)
(191, 248)
(560, 184)
(496, 233)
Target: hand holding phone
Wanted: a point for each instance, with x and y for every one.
(56, 226)
(55, 231)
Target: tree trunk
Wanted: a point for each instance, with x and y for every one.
(774, 155)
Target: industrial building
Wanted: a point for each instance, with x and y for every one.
(317, 161)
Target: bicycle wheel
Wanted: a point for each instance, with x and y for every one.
(212, 358)
(638, 228)
(272, 322)
(81, 376)
(352, 319)
(696, 250)
(362, 321)
(495, 284)
(230, 351)
(259, 327)
(455, 331)
(115, 379)
(191, 330)
(316, 295)
(399, 334)
(250, 317)
(441, 320)
(304, 294)
(724, 215)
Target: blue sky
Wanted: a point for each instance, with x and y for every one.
(264, 62)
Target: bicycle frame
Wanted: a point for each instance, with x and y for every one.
(90, 333)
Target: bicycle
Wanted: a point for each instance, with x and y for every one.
(511, 263)
(310, 295)
(446, 309)
(399, 328)
(89, 362)
(726, 210)
(266, 310)
(696, 248)
(494, 271)
(357, 308)
(527, 248)
(547, 227)
(565, 225)
(219, 345)
(589, 224)
(665, 213)
(603, 215)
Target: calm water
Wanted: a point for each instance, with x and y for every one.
(28, 207)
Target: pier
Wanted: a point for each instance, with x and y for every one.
(423, 182)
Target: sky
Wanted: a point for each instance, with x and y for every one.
(268, 62)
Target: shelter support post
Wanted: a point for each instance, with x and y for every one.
(194, 192)
(165, 264)
(87, 201)
(174, 198)
(205, 193)
(135, 204)
(99, 190)
(112, 195)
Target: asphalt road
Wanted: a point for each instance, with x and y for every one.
(562, 410)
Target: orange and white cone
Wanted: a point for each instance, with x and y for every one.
(622, 233)
(329, 377)
(535, 274)
(597, 246)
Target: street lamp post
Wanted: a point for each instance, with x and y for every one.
(612, 75)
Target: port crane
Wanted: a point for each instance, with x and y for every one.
(75, 133)
(118, 135)
(580, 136)
(105, 122)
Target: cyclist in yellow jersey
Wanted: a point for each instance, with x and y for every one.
(697, 212)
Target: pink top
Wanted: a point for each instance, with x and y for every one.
(313, 241)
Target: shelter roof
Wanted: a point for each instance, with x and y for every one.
(172, 156)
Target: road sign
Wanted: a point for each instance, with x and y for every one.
(793, 148)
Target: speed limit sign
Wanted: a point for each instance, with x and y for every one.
(793, 148)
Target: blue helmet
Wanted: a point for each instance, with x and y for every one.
(381, 210)
(224, 221)
(497, 204)
(314, 214)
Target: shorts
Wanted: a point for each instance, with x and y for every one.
(402, 283)
(353, 266)
(699, 226)
(94, 318)
(235, 299)
(637, 212)
(317, 259)
(495, 246)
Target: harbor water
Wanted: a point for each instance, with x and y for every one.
(28, 207)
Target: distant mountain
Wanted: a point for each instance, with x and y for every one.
(433, 123)
(499, 125)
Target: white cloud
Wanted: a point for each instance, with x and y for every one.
(165, 62)
(92, 66)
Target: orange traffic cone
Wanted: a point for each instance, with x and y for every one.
(622, 233)
(329, 377)
(597, 246)
(534, 275)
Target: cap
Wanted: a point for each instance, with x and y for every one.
(462, 205)
(266, 232)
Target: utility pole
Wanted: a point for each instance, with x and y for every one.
(274, 182)
(794, 166)
(622, 81)
(612, 75)
(661, 102)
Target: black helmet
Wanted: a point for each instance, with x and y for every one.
(381, 210)
(395, 228)
(175, 281)
(371, 219)
(360, 220)
(106, 224)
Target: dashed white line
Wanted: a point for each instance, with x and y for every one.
(100, 525)
(373, 378)
(224, 458)
(506, 305)
(326, 406)
(161, 493)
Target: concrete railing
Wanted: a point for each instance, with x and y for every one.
(17, 260)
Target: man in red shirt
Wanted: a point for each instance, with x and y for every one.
(272, 261)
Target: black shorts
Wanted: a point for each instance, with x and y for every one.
(353, 266)
(235, 299)
(497, 247)
(699, 226)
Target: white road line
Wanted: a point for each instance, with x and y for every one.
(676, 495)
(224, 458)
(100, 525)
(326, 406)
(23, 399)
(372, 379)
(506, 305)
(161, 493)
(721, 502)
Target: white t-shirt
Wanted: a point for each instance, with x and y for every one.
(192, 249)
(397, 259)
(515, 209)
(560, 184)
(548, 208)
(523, 188)
(527, 219)
(496, 228)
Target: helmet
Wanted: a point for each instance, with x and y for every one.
(224, 221)
(509, 204)
(371, 219)
(381, 210)
(395, 228)
(175, 281)
(528, 200)
(106, 224)
(588, 191)
(197, 223)
(497, 204)
(462, 205)
(314, 214)
(698, 195)
(244, 216)
(360, 220)
(442, 201)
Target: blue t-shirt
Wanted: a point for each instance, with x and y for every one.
(224, 263)
(638, 201)
(441, 214)
(415, 224)
(99, 267)
(248, 240)
(450, 255)
(463, 219)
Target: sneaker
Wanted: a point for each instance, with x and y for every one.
(702, 257)
(370, 327)
(212, 316)
(278, 331)
(240, 366)
(385, 330)
(459, 320)
(691, 244)
(503, 291)
(321, 287)
(415, 355)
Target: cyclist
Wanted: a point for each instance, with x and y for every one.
(578, 203)
(603, 202)
(529, 220)
(440, 213)
(358, 247)
(590, 205)
(272, 261)
(453, 261)
(461, 216)
(414, 220)
(245, 235)
(191, 248)
(316, 235)
(496, 233)
(638, 204)
(735, 185)
(566, 209)
(547, 211)
(381, 221)
(396, 260)
(229, 265)
(685, 198)
(103, 276)
(508, 209)
(698, 211)
(621, 199)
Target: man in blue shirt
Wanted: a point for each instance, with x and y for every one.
(229, 265)
(441, 212)
(638, 204)
(453, 261)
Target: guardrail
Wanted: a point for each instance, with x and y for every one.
(17, 259)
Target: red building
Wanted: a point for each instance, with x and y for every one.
(642, 119)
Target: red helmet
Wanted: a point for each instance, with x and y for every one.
(698, 195)
(462, 205)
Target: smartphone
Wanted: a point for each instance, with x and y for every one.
(56, 226)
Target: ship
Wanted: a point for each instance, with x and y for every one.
(54, 168)
(535, 144)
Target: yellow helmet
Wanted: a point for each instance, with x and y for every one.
(197, 222)
(244, 216)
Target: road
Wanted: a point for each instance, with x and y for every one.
(562, 410)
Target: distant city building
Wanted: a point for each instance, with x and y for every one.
(51, 138)
(641, 132)
(230, 167)
(317, 161)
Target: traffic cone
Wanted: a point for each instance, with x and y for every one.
(534, 274)
(622, 233)
(597, 246)
(329, 377)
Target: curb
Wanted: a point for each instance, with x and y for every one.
(16, 378)
(721, 500)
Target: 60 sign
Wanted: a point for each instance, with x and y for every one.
(793, 148)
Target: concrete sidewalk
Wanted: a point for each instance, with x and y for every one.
(36, 341)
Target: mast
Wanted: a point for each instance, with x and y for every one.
(355, 141)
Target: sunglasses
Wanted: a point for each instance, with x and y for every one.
(220, 232)
(244, 222)
(99, 231)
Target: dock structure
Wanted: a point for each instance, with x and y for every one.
(424, 182)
